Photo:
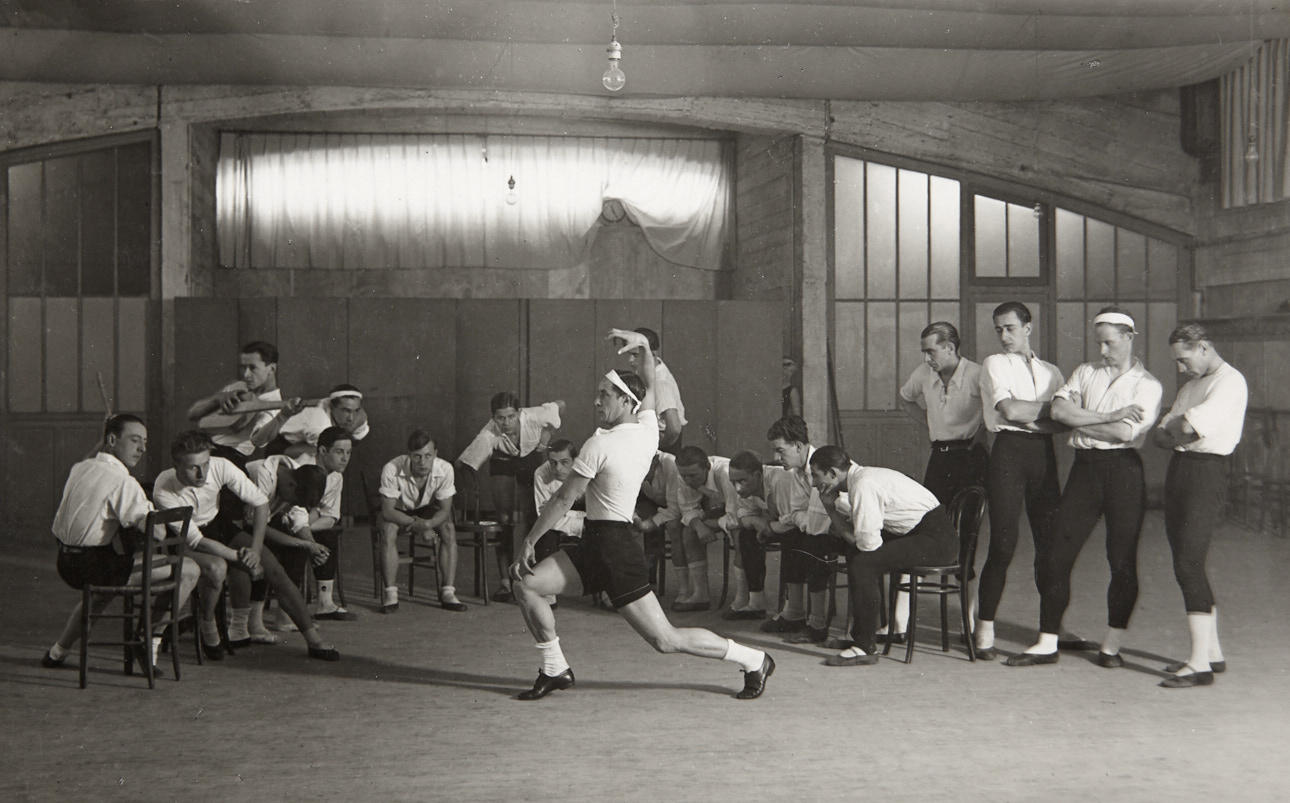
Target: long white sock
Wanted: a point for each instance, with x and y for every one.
(985, 634)
(1114, 638)
(698, 581)
(749, 660)
(756, 601)
(391, 596)
(237, 630)
(448, 594)
(1200, 627)
(155, 648)
(325, 602)
(553, 662)
(794, 602)
(819, 609)
(1215, 649)
(255, 623)
(57, 652)
(210, 631)
(1047, 644)
(741, 590)
(900, 617)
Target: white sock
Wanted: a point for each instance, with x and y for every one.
(852, 652)
(57, 652)
(237, 630)
(391, 595)
(210, 631)
(749, 660)
(255, 623)
(553, 662)
(900, 617)
(756, 601)
(698, 581)
(325, 602)
(1215, 649)
(1047, 644)
(741, 590)
(448, 594)
(985, 634)
(819, 609)
(1200, 627)
(1114, 637)
(156, 648)
(794, 602)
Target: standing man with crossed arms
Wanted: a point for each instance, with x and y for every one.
(1110, 405)
(609, 470)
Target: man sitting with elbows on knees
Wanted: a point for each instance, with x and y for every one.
(99, 521)
(342, 408)
(708, 503)
(657, 517)
(546, 481)
(196, 480)
(416, 497)
(335, 447)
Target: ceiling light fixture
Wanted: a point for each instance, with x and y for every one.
(614, 78)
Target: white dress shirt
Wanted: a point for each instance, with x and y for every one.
(1214, 405)
(953, 411)
(878, 499)
(306, 425)
(1094, 386)
(716, 489)
(100, 498)
(411, 493)
(664, 490)
(491, 438)
(1012, 376)
(792, 497)
(168, 491)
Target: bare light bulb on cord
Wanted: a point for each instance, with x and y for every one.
(512, 197)
(614, 78)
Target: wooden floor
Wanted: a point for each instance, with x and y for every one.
(420, 707)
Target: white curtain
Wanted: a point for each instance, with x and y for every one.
(411, 201)
(1255, 119)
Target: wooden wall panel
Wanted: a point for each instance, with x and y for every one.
(29, 475)
(750, 349)
(98, 351)
(690, 332)
(313, 336)
(206, 344)
(625, 315)
(563, 344)
(257, 319)
(488, 349)
(137, 361)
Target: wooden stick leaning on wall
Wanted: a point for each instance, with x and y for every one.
(107, 414)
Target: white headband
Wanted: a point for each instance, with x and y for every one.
(1115, 317)
(342, 394)
(618, 382)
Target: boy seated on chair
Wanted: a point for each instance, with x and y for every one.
(97, 526)
(657, 517)
(197, 479)
(334, 449)
(708, 502)
(416, 498)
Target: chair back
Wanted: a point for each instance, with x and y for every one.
(168, 550)
(966, 510)
(467, 504)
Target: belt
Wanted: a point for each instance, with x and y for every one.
(949, 446)
(68, 549)
(1200, 455)
(1021, 434)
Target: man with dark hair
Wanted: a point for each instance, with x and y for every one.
(196, 480)
(797, 520)
(1016, 399)
(335, 447)
(99, 521)
(1202, 429)
(259, 382)
(886, 522)
(610, 558)
(342, 408)
(1110, 406)
(514, 444)
(752, 510)
(707, 501)
(671, 411)
(548, 478)
(657, 518)
(416, 497)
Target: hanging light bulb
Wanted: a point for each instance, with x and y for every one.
(614, 78)
(512, 197)
(1251, 150)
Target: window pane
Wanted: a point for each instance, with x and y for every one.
(913, 319)
(1162, 270)
(25, 246)
(1100, 259)
(1070, 254)
(1023, 241)
(1070, 336)
(948, 311)
(880, 393)
(98, 223)
(849, 350)
(945, 237)
(62, 221)
(880, 206)
(848, 227)
(62, 355)
(991, 247)
(1130, 264)
(25, 379)
(913, 234)
(134, 216)
(132, 354)
(98, 351)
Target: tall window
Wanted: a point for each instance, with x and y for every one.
(78, 276)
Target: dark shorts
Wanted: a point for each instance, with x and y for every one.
(610, 559)
(222, 528)
(521, 468)
(96, 566)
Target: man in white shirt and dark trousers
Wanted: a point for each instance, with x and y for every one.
(1110, 405)
(667, 394)
(1202, 429)
(100, 518)
(610, 558)
(1016, 398)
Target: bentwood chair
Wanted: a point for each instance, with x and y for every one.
(427, 559)
(479, 530)
(966, 510)
(136, 628)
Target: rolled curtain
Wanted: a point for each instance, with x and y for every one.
(424, 201)
(1255, 103)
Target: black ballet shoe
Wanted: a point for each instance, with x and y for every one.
(1189, 680)
(1109, 661)
(1032, 659)
(215, 652)
(1077, 645)
(50, 662)
(755, 681)
(324, 653)
(545, 684)
(985, 653)
(1217, 667)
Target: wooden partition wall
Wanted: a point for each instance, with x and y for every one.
(434, 363)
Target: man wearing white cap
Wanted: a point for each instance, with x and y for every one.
(1110, 406)
(342, 408)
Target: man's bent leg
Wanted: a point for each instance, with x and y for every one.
(552, 576)
(447, 560)
(389, 550)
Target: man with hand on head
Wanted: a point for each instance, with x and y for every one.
(342, 408)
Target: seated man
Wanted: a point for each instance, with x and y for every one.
(196, 480)
(98, 523)
(416, 498)
(883, 521)
(657, 517)
(335, 447)
(708, 503)
(259, 382)
(514, 444)
(671, 410)
(547, 480)
(747, 476)
(342, 408)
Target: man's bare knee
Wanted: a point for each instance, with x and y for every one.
(666, 641)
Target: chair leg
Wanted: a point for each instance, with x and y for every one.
(195, 607)
(340, 582)
(945, 613)
(126, 621)
(412, 564)
(725, 572)
(85, 633)
(481, 565)
(964, 593)
(145, 637)
(893, 588)
(912, 627)
(376, 569)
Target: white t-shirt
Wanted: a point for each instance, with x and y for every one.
(880, 499)
(306, 425)
(168, 491)
(616, 461)
(1214, 405)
